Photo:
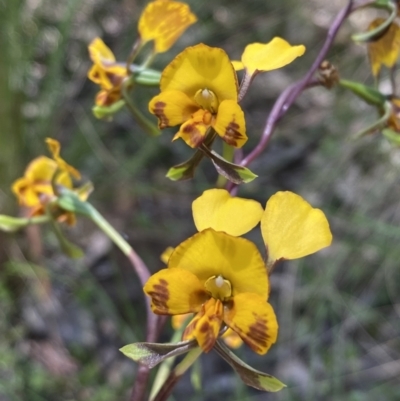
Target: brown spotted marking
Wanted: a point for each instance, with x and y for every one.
(232, 133)
(159, 297)
(158, 110)
(115, 79)
(96, 75)
(256, 337)
(196, 137)
(209, 337)
(258, 334)
(190, 328)
(205, 326)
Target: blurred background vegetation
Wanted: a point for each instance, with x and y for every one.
(62, 321)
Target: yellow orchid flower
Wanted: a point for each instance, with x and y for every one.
(230, 337)
(36, 188)
(262, 57)
(199, 91)
(385, 50)
(212, 273)
(105, 72)
(223, 280)
(164, 22)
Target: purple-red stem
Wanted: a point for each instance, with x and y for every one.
(290, 94)
(154, 324)
(330, 37)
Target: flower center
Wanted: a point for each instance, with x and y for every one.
(207, 100)
(218, 288)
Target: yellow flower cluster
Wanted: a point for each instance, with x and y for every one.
(42, 177)
(222, 278)
(161, 22)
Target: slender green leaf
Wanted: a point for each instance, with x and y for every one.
(67, 247)
(233, 172)
(11, 224)
(107, 112)
(250, 376)
(151, 354)
(195, 377)
(390, 6)
(148, 77)
(370, 95)
(392, 136)
(70, 201)
(185, 170)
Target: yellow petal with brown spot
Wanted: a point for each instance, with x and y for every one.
(218, 210)
(230, 124)
(269, 56)
(205, 326)
(254, 320)
(164, 22)
(36, 181)
(27, 196)
(385, 50)
(172, 108)
(201, 67)
(194, 131)
(174, 292)
(108, 97)
(292, 228)
(211, 253)
(98, 75)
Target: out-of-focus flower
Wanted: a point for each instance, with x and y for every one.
(106, 72)
(385, 49)
(199, 91)
(164, 21)
(36, 188)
